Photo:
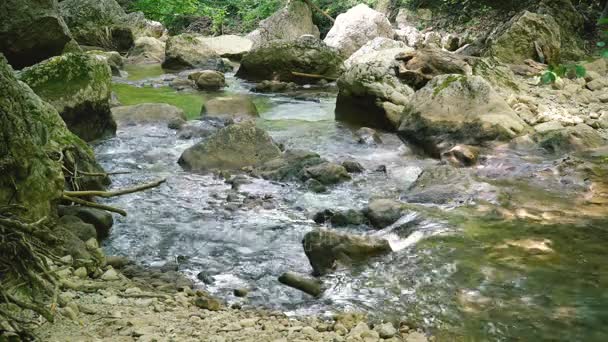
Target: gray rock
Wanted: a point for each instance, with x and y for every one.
(352, 166)
(187, 51)
(100, 219)
(147, 50)
(110, 275)
(384, 212)
(209, 80)
(82, 230)
(327, 173)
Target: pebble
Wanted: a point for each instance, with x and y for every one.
(208, 304)
(247, 323)
(67, 260)
(81, 273)
(110, 275)
(111, 300)
(386, 330)
(69, 313)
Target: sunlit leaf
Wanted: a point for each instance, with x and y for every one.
(580, 71)
(548, 78)
(601, 44)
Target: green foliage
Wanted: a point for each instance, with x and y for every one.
(603, 22)
(562, 70)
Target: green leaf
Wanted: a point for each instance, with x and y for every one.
(561, 70)
(605, 53)
(603, 21)
(601, 44)
(548, 78)
(580, 71)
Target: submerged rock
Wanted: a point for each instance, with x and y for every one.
(326, 249)
(289, 23)
(290, 165)
(278, 60)
(384, 212)
(327, 173)
(79, 87)
(356, 27)
(230, 107)
(368, 136)
(188, 51)
(274, 87)
(462, 155)
(458, 109)
(339, 218)
(305, 284)
(148, 113)
(231, 148)
(31, 31)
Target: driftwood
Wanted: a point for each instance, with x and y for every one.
(107, 194)
(94, 205)
(301, 74)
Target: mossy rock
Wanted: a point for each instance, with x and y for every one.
(79, 87)
(277, 60)
(31, 31)
(35, 145)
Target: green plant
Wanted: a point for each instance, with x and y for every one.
(603, 44)
(562, 70)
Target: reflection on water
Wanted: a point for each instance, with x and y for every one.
(465, 273)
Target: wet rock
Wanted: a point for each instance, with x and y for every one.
(31, 31)
(241, 292)
(352, 166)
(100, 219)
(117, 262)
(458, 109)
(100, 23)
(230, 107)
(289, 23)
(327, 173)
(199, 129)
(274, 86)
(386, 330)
(147, 113)
(231, 148)
(82, 230)
(305, 284)
(210, 304)
(187, 51)
(384, 212)
(315, 186)
(356, 27)
(79, 87)
(208, 79)
(462, 155)
(527, 36)
(290, 165)
(278, 60)
(574, 138)
(368, 136)
(113, 58)
(326, 249)
(147, 50)
(340, 218)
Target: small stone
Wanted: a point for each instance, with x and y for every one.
(64, 273)
(386, 330)
(315, 186)
(242, 292)
(81, 273)
(208, 303)
(232, 327)
(132, 290)
(310, 331)
(110, 275)
(111, 300)
(69, 313)
(247, 323)
(352, 166)
(67, 260)
(416, 337)
(144, 302)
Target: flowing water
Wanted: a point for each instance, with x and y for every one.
(461, 271)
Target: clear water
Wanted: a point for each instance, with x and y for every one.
(458, 275)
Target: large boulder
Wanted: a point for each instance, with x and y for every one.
(326, 249)
(571, 24)
(208, 79)
(229, 46)
(231, 148)
(418, 67)
(35, 146)
(289, 23)
(527, 36)
(113, 58)
(356, 27)
(367, 52)
(147, 50)
(458, 109)
(79, 87)
(230, 107)
(370, 93)
(100, 23)
(384, 212)
(574, 138)
(278, 60)
(147, 113)
(31, 31)
(187, 51)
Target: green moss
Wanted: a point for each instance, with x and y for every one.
(141, 72)
(449, 80)
(191, 103)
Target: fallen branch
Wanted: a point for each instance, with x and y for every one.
(94, 205)
(103, 174)
(107, 194)
(316, 8)
(301, 74)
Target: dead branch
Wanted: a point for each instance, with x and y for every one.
(94, 205)
(316, 8)
(301, 74)
(107, 194)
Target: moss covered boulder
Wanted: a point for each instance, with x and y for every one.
(35, 144)
(79, 87)
(31, 31)
(326, 250)
(188, 51)
(231, 148)
(527, 36)
(98, 23)
(457, 109)
(278, 60)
